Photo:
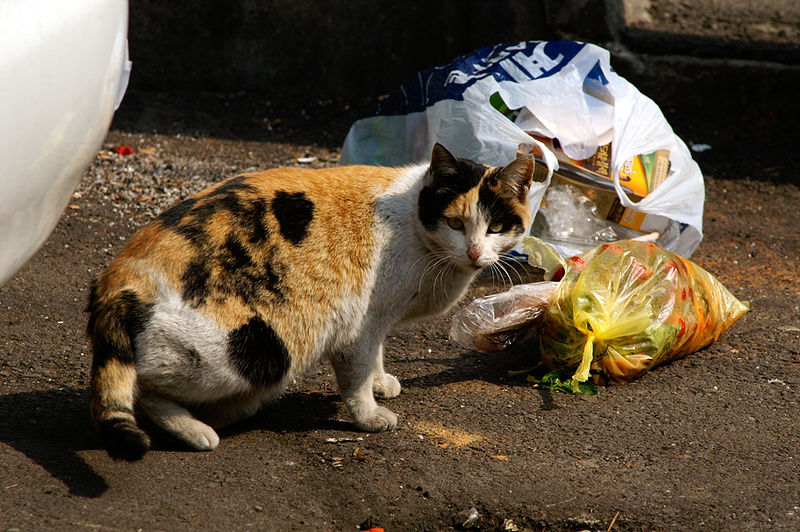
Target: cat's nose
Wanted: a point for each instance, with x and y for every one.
(473, 253)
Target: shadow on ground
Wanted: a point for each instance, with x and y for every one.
(53, 438)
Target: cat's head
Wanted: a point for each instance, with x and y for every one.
(472, 212)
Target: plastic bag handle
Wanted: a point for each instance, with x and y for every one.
(582, 373)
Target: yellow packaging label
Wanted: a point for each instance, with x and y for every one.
(643, 173)
(639, 175)
(633, 219)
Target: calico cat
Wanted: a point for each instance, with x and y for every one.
(215, 306)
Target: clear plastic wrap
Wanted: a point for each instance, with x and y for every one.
(495, 322)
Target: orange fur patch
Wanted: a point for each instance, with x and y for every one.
(112, 384)
(333, 260)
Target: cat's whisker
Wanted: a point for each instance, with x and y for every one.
(431, 269)
(446, 267)
(502, 275)
(412, 270)
(497, 275)
(494, 271)
(449, 267)
(439, 258)
(442, 274)
(506, 267)
(513, 265)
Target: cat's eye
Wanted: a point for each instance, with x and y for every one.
(495, 227)
(455, 223)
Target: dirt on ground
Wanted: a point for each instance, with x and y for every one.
(748, 21)
(708, 442)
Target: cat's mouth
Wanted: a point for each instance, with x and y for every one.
(477, 264)
(467, 265)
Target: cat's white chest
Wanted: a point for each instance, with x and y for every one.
(413, 283)
(438, 289)
(411, 280)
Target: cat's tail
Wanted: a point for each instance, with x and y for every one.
(112, 324)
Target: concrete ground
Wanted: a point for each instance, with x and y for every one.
(708, 442)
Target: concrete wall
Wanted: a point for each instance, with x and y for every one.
(351, 49)
(325, 49)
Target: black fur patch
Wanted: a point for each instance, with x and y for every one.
(465, 175)
(294, 212)
(196, 280)
(236, 274)
(190, 217)
(499, 210)
(123, 440)
(92, 304)
(233, 184)
(233, 254)
(271, 273)
(250, 282)
(253, 222)
(258, 353)
(227, 269)
(113, 327)
(173, 216)
(445, 188)
(432, 203)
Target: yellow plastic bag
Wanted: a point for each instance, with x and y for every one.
(623, 308)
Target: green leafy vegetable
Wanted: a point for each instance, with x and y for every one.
(553, 381)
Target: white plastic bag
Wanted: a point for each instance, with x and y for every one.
(559, 89)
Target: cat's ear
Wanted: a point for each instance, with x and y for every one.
(516, 177)
(443, 164)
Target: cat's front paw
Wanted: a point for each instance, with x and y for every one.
(386, 387)
(203, 438)
(377, 420)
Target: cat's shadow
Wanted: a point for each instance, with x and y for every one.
(50, 427)
(492, 368)
(295, 412)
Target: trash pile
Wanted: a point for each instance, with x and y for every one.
(615, 191)
(616, 311)
(610, 166)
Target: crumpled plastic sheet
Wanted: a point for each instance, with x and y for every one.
(495, 322)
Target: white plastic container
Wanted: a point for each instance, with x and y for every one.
(63, 70)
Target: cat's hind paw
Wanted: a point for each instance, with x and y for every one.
(377, 420)
(179, 422)
(386, 387)
(195, 434)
